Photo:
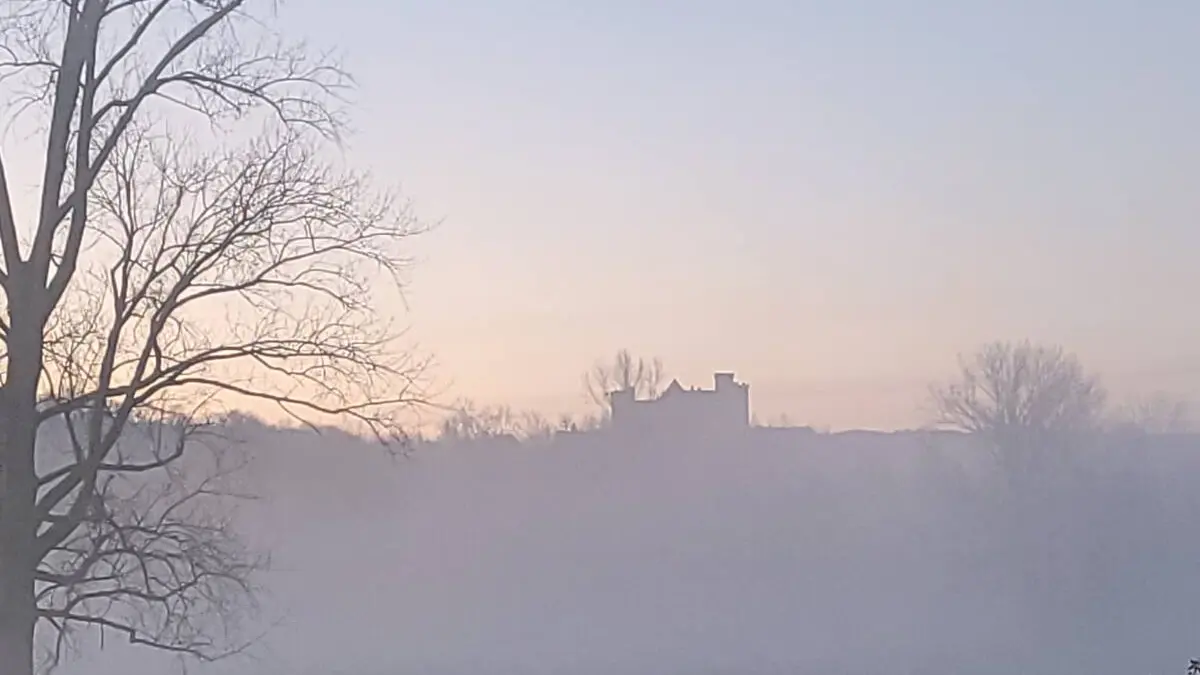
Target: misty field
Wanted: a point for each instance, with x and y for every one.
(777, 551)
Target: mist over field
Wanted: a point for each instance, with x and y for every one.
(554, 245)
(772, 551)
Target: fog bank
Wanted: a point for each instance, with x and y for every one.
(775, 552)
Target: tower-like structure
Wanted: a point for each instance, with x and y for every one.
(621, 404)
(725, 407)
(734, 400)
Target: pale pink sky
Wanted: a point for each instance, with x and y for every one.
(831, 199)
(832, 202)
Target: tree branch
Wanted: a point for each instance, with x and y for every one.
(163, 282)
(8, 229)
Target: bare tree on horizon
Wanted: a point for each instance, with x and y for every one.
(1018, 395)
(624, 372)
(159, 276)
(470, 421)
(1021, 385)
(1158, 413)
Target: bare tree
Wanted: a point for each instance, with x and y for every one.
(568, 423)
(157, 559)
(470, 421)
(624, 372)
(1017, 394)
(1159, 413)
(162, 273)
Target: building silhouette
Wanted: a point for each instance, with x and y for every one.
(725, 407)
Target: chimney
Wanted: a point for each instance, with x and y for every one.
(723, 381)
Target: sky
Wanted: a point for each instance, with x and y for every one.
(832, 200)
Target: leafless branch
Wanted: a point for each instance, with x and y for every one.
(269, 242)
(1158, 413)
(624, 372)
(469, 421)
(156, 560)
(1021, 400)
(171, 268)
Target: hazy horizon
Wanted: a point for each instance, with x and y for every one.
(831, 201)
(777, 553)
(599, 337)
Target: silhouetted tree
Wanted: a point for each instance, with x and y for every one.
(1006, 386)
(1019, 396)
(1155, 414)
(470, 421)
(155, 279)
(573, 423)
(623, 372)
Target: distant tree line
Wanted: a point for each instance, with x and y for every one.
(1016, 395)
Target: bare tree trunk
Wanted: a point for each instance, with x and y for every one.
(18, 494)
(18, 611)
(17, 615)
